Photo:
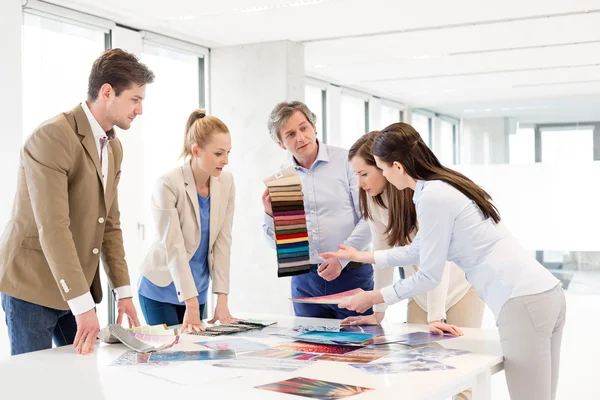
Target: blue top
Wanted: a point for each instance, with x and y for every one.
(198, 264)
(330, 190)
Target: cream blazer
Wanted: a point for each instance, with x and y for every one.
(435, 302)
(176, 215)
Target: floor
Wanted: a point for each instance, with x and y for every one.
(578, 376)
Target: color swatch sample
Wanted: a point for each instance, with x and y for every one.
(315, 348)
(289, 219)
(202, 355)
(429, 353)
(335, 338)
(416, 365)
(337, 298)
(271, 364)
(314, 388)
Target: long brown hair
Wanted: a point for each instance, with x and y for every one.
(400, 142)
(402, 214)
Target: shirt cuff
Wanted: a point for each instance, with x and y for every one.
(380, 307)
(269, 222)
(436, 316)
(381, 259)
(123, 292)
(389, 295)
(81, 304)
(344, 263)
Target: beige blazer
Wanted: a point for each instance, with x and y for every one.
(176, 216)
(62, 220)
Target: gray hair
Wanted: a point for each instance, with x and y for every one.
(282, 112)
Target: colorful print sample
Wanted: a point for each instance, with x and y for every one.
(415, 365)
(335, 338)
(289, 221)
(314, 388)
(337, 298)
(315, 348)
(272, 364)
(202, 355)
(429, 353)
(283, 354)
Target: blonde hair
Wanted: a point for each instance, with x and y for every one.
(199, 129)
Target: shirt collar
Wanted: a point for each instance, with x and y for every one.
(96, 128)
(418, 189)
(322, 155)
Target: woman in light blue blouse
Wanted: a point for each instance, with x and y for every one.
(458, 222)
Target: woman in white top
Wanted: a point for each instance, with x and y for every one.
(458, 222)
(454, 300)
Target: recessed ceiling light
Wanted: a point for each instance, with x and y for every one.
(423, 57)
(486, 110)
(317, 66)
(275, 6)
(469, 110)
(422, 92)
(449, 90)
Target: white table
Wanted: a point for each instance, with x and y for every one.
(61, 374)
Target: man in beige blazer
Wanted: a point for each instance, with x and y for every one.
(66, 215)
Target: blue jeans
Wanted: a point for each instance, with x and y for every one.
(32, 327)
(157, 312)
(311, 285)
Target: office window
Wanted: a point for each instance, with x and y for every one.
(315, 100)
(390, 115)
(521, 146)
(447, 150)
(57, 59)
(353, 119)
(567, 145)
(422, 123)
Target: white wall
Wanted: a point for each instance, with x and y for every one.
(246, 83)
(10, 103)
(485, 140)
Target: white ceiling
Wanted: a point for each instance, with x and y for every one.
(469, 58)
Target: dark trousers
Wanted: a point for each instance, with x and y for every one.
(157, 312)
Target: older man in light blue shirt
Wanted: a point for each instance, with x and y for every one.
(330, 192)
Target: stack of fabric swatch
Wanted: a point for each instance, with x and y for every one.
(291, 236)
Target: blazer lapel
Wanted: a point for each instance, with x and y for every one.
(110, 180)
(190, 189)
(215, 202)
(84, 130)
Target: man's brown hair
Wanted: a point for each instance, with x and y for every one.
(120, 69)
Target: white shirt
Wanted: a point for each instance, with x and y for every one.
(85, 302)
(452, 227)
(437, 301)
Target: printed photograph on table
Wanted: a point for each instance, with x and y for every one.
(335, 338)
(284, 354)
(314, 388)
(416, 365)
(315, 348)
(379, 340)
(238, 345)
(351, 357)
(418, 338)
(202, 355)
(337, 298)
(131, 358)
(429, 353)
(375, 330)
(374, 351)
(316, 328)
(270, 364)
